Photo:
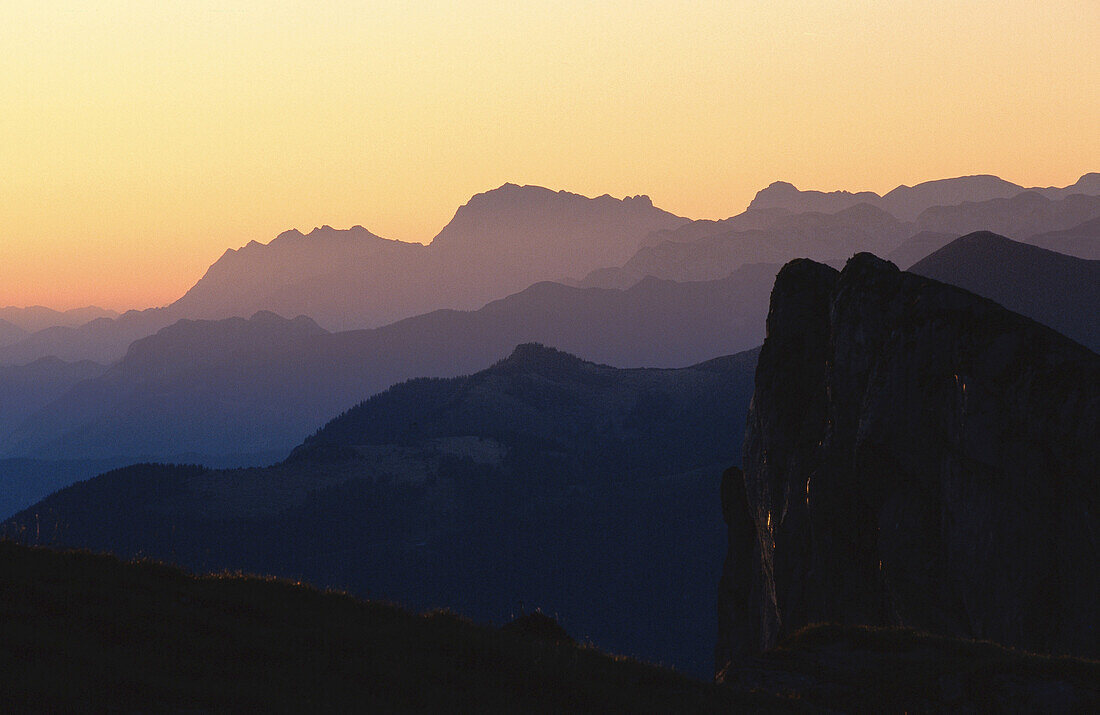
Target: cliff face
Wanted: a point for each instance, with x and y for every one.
(918, 456)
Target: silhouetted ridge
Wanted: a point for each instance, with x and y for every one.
(916, 455)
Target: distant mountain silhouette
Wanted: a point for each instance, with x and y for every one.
(500, 242)
(191, 378)
(102, 340)
(37, 317)
(1018, 217)
(1056, 290)
(504, 240)
(345, 279)
(784, 195)
(706, 257)
(1083, 240)
(908, 202)
(25, 389)
(704, 250)
(543, 479)
(217, 388)
(1088, 184)
(10, 333)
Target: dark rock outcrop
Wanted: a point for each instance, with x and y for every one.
(915, 456)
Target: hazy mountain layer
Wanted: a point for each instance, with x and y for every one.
(1018, 217)
(26, 481)
(908, 202)
(704, 250)
(504, 240)
(102, 340)
(915, 455)
(815, 235)
(1056, 290)
(25, 389)
(217, 388)
(37, 317)
(1083, 240)
(500, 242)
(586, 490)
(10, 333)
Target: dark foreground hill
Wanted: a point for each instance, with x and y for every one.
(88, 632)
(915, 456)
(1060, 291)
(587, 490)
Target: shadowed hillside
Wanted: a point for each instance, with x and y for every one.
(83, 631)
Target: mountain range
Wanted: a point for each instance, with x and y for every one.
(504, 240)
(242, 387)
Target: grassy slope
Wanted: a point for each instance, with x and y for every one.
(82, 630)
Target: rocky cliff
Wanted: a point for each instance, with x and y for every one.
(915, 456)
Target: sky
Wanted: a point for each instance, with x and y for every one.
(141, 139)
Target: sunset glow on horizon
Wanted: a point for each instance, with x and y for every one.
(141, 140)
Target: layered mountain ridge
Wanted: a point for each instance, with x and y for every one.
(234, 386)
(504, 240)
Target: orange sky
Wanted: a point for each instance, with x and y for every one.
(140, 140)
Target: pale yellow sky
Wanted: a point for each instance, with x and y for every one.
(141, 139)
